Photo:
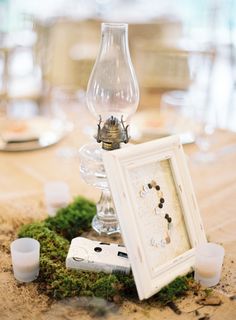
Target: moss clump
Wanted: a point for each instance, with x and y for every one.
(174, 290)
(55, 234)
(71, 221)
(208, 291)
(53, 246)
(57, 281)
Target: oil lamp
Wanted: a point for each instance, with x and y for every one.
(112, 97)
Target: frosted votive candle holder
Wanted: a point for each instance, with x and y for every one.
(25, 254)
(208, 264)
(57, 195)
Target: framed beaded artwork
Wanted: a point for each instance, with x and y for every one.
(157, 211)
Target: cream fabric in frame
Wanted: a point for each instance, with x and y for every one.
(157, 211)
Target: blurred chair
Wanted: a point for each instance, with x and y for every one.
(160, 65)
(67, 50)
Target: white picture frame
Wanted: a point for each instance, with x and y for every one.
(160, 248)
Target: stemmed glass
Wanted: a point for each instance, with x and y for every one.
(175, 114)
(203, 138)
(203, 112)
(204, 115)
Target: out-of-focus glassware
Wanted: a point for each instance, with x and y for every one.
(175, 112)
(172, 105)
(203, 111)
(204, 130)
(56, 196)
(112, 97)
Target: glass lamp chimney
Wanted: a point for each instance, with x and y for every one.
(112, 92)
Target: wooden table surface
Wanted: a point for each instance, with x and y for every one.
(22, 178)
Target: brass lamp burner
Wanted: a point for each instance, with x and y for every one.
(112, 133)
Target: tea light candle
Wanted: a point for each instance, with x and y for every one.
(208, 264)
(25, 259)
(57, 196)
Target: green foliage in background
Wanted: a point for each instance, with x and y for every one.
(55, 234)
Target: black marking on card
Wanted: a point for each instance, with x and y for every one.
(77, 259)
(122, 254)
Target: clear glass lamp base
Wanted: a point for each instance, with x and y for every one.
(105, 221)
(93, 173)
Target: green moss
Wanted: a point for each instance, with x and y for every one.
(208, 291)
(106, 287)
(58, 282)
(53, 246)
(174, 290)
(71, 221)
(53, 234)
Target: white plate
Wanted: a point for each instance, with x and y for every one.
(36, 133)
(150, 125)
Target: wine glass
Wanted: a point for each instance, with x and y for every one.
(203, 111)
(205, 123)
(175, 112)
